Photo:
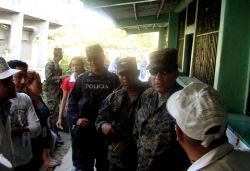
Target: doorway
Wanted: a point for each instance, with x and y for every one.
(188, 54)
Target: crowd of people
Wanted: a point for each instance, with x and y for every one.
(116, 122)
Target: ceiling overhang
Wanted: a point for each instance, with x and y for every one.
(135, 16)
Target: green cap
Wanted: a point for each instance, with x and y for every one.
(94, 51)
(164, 58)
(57, 49)
(127, 64)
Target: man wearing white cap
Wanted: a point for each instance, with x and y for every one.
(7, 91)
(201, 121)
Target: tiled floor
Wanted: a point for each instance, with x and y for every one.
(66, 162)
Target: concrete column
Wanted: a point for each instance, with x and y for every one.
(43, 41)
(15, 40)
(33, 47)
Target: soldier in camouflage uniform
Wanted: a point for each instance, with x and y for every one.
(53, 75)
(116, 117)
(84, 102)
(154, 127)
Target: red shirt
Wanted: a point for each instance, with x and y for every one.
(66, 85)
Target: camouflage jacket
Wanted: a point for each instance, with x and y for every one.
(117, 111)
(52, 82)
(154, 131)
(52, 71)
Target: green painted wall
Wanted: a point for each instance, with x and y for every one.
(232, 65)
(142, 20)
(182, 5)
(136, 31)
(173, 30)
(162, 38)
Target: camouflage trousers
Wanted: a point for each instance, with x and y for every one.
(53, 106)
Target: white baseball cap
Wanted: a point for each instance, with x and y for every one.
(4, 161)
(5, 70)
(198, 108)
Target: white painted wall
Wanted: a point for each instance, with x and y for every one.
(36, 15)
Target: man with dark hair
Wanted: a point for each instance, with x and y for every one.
(83, 104)
(116, 117)
(7, 91)
(24, 121)
(15, 63)
(19, 78)
(154, 130)
(54, 77)
(201, 123)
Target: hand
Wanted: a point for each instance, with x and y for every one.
(83, 122)
(108, 130)
(62, 77)
(59, 124)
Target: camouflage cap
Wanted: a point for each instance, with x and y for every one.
(164, 58)
(57, 49)
(127, 64)
(58, 53)
(94, 51)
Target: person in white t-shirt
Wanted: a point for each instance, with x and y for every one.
(201, 122)
(24, 121)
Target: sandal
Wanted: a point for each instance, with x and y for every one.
(52, 164)
(56, 161)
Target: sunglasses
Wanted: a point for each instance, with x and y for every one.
(161, 71)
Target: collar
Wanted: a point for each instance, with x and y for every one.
(55, 61)
(165, 97)
(4, 111)
(211, 157)
(90, 73)
(72, 78)
(6, 105)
